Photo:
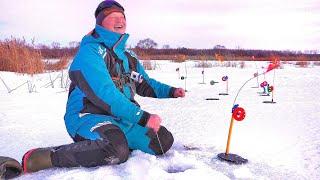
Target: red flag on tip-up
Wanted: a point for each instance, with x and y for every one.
(275, 64)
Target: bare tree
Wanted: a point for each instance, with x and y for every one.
(74, 44)
(55, 45)
(219, 47)
(166, 46)
(147, 44)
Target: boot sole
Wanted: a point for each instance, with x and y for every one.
(24, 160)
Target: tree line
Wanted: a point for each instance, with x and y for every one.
(17, 55)
(147, 49)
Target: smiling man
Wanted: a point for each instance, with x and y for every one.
(112, 18)
(102, 116)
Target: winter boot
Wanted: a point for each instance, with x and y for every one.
(9, 168)
(36, 160)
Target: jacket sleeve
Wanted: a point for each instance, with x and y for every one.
(151, 87)
(90, 74)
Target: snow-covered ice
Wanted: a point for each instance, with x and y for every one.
(281, 141)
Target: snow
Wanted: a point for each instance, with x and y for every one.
(281, 141)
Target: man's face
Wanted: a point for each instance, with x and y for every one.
(115, 22)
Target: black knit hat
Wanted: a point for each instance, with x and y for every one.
(105, 8)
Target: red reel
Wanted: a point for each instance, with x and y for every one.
(239, 114)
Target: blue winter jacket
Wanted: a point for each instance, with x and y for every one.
(101, 56)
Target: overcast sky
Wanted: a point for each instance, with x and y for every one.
(248, 24)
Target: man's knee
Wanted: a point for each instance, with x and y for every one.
(114, 138)
(166, 141)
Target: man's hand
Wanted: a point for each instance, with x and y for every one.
(154, 122)
(179, 92)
